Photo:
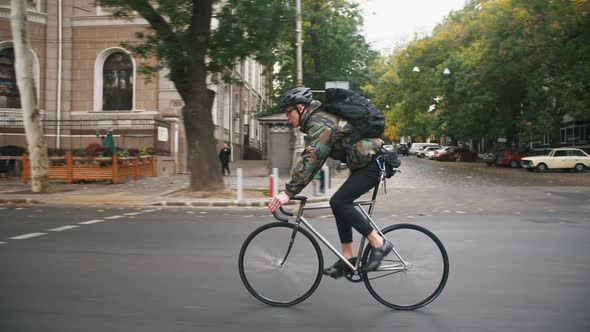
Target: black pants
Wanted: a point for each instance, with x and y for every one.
(224, 167)
(347, 216)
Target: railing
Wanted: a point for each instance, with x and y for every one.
(77, 134)
(69, 168)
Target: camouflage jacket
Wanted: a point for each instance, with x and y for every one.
(328, 136)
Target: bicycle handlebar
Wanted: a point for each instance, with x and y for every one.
(303, 199)
(285, 212)
(279, 218)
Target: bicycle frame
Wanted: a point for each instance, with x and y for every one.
(300, 219)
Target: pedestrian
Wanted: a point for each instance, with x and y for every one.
(328, 136)
(224, 155)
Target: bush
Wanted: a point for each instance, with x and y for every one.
(79, 152)
(106, 152)
(122, 153)
(143, 151)
(133, 152)
(94, 149)
(51, 152)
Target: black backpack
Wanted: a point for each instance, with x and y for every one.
(366, 120)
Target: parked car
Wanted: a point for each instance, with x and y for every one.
(403, 149)
(562, 158)
(416, 147)
(455, 154)
(432, 153)
(512, 157)
(425, 150)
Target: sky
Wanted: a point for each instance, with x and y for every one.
(388, 22)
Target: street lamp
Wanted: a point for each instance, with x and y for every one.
(446, 71)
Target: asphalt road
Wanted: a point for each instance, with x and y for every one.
(518, 252)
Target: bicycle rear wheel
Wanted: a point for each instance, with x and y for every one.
(421, 281)
(276, 275)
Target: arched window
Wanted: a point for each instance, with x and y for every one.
(9, 95)
(117, 82)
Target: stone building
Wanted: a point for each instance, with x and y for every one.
(87, 84)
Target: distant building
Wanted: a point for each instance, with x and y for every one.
(87, 83)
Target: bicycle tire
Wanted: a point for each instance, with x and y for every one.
(428, 267)
(274, 284)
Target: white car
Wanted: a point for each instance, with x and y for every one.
(562, 158)
(417, 147)
(428, 149)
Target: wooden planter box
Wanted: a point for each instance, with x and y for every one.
(70, 168)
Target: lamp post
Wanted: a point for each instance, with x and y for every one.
(299, 42)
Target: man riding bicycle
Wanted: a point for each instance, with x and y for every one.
(330, 136)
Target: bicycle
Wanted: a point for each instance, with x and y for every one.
(284, 273)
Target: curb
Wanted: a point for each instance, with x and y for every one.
(20, 201)
(227, 203)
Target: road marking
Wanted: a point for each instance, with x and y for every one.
(132, 213)
(63, 228)
(113, 217)
(91, 222)
(26, 236)
(149, 211)
(2, 242)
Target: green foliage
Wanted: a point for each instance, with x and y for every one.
(334, 48)
(243, 28)
(516, 66)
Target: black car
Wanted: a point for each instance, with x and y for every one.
(403, 149)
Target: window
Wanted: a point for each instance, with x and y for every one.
(561, 153)
(577, 153)
(9, 95)
(117, 82)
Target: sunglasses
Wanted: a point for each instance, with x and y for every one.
(288, 110)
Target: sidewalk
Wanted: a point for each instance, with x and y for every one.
(160, 191)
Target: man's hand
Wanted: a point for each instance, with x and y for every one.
(277, 201)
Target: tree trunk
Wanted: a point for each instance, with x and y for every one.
(556, 116)
(26, 85)
(204, 166)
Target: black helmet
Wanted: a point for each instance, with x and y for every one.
(295, 96)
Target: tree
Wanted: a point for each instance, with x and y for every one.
(26, 85)
(517, 66)
(333, 47)
(181, 38)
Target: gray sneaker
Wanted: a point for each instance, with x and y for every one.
(377, 255)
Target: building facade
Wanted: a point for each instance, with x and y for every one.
(88, 84)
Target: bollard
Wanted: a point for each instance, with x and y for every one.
(326, 181)
(270, 186)
(239, 184)
(275, 183)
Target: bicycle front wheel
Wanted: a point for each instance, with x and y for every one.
(419, 278)
(273, 272)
